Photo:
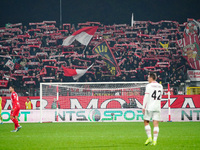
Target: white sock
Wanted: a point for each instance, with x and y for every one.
(148, 130)
(155, 133)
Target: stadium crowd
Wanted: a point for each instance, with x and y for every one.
(34, 53)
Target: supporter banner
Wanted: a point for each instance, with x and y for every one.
(49, 22)
(75, 55)
(55, 56)
(61, 62)
(23, 36)
(104, 50)
(49, 60)
(13, 25)
(101, 101)
(26, 77)
(47, 26)
(29, 82)
(92, 56)
(14, 30)
(21, 71)
(3, 83)
(33, 63)
(145, 35)
(190, 43)
(99, 115)
(41, 53)
(10, 64)
(36, 23)
(163, 64)
(48, 78)
(5, 56)
(7, 77)
(194, 75)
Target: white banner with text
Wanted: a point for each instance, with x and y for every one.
(194, 75)
(99, 115)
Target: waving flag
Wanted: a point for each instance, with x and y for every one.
(83, 35)
(106, 53)
(75, 73)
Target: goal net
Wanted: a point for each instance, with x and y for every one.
(59, 100)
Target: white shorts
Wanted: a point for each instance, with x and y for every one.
(154, 115)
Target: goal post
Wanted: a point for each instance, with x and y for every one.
(169, 103)
(58, 96)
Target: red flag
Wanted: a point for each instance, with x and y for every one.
(69, 72)
(83, 35)
(75, 73)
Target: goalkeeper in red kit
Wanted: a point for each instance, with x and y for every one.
(15, 109)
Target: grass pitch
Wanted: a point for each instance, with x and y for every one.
(99, 135)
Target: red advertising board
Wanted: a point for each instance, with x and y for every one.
(84, 102)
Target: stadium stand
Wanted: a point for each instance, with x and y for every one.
(33, 54)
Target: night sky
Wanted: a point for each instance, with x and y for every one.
(104, 11)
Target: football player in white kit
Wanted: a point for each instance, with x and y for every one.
(152, 108)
